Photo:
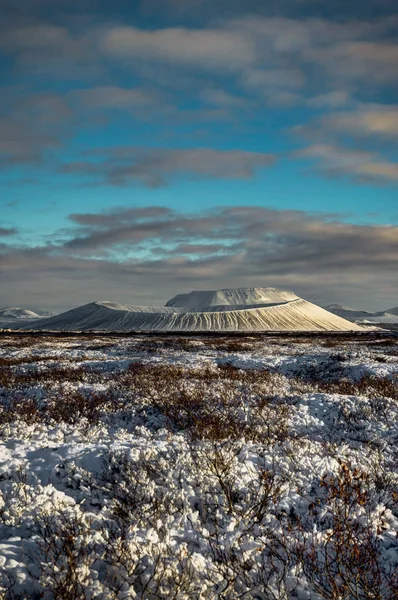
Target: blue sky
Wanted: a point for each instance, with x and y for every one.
(174, 145)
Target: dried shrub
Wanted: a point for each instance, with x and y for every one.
(341, 552)
(213, 404)
(24, 410)
(65, 552)
(74, 406)
(369, 385)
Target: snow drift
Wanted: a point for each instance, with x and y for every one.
(244, 309)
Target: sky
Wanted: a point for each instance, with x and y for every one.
(154, 147)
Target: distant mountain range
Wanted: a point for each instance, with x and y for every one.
(363, 316)
(13, 313)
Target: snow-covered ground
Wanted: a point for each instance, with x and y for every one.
(199, 467)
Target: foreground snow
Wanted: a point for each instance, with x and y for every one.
(198, 468)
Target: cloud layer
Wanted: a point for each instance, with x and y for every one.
(144, 254)
(223, 71)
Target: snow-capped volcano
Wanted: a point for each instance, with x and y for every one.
(243, 309)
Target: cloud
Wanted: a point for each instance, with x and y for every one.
(375, 62)
(210, 9)
(31, 126)
(219, 97)
(367, 120)
(279, 87)
(154, 167)
(8, 231)
(318, 256)
(321, 63)
(353, 143)
(333, 99)
(285, 61)
(280, 59)
(207, 48)
(23, 142)
(51, 51)
(292, 49)
(197, 249)
(36, 38)
(116, 217)
(268, 234)
(115, 97)
(363, 166)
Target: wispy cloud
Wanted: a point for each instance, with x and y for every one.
(154, 167)
(31, 125)
(375, 120)
(210, 49)
(336, 160)
(115, 97)
(8, 231)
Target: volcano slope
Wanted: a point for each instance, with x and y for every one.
(243, 309)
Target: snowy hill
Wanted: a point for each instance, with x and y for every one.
(12, 313)
(352, 314)
(247, 309)
(15, 317)
(46, 313)
(362, 316)
(393, 311)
